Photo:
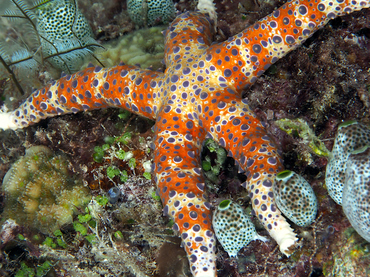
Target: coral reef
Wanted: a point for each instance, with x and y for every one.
(124, 236)
(40, 192)
(326, 67)
(350, 256)
(116, 160)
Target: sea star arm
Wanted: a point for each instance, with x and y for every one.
(189, 28)
(122, 86)
(231, 122)
(181, 187)
(245, 56)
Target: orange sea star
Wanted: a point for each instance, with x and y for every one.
(198, 96)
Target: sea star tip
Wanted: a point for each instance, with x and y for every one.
(7, 121)
(286, 239)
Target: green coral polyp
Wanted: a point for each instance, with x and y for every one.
(206, 165)
(212, 172)
(102, 200)
(80, 228)
(132, 163)
(121, 154)
(112, 172)
(147, 175)
(124, 176)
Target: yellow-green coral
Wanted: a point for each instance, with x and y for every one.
(40, 191)
(300, 128)
(144, 47)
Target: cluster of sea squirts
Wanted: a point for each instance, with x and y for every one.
(347, 180)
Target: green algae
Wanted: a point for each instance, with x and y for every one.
(299, 127)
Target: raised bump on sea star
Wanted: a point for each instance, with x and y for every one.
(198, 96)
